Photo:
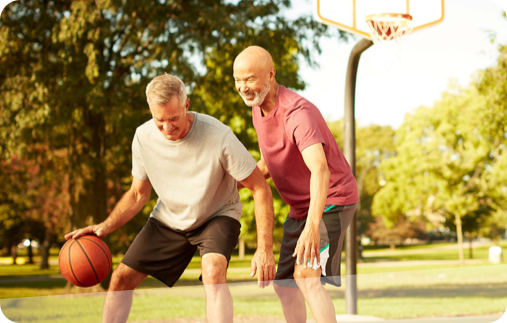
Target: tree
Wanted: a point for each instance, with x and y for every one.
(73, 74)
(33, 204)
(381, 233)
(440, 166)
(492, 84)
(374, 144)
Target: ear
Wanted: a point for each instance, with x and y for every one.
(272, 73)
(187, 105)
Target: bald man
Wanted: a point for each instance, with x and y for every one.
(300, 154)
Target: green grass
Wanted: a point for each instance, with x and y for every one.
(478, 290)
(413, 288)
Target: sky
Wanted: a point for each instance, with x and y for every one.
(429, 61)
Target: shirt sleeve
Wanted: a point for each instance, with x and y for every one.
(303, 129)
(235, 158)
(138, 170)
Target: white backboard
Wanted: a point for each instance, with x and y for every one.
(349, 15)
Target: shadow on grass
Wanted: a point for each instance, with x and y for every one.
(436, 291)
(33, 282)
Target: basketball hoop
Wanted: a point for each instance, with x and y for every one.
(389, 26)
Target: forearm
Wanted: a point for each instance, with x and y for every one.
(264, 216)
(319, 184)
(129, 205)
(261, 165)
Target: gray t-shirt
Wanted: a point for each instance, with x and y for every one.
(195, 177)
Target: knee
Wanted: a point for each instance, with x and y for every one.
(122, 281)
(307, 278)
(282, 291)
(214, 269)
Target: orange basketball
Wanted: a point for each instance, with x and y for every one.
(85, 261)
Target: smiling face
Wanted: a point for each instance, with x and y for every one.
(172, 120)
(253, 87)
(253, 75)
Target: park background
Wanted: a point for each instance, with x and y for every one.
(430, 146)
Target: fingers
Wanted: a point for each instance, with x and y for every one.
(298, 252)
(253, 268)
(271, 274)
(306, 256)
(318, 257)
(312, 260)
(82, 232)
(99, 232)
(261, 278)
(264, 266)
(68, 236)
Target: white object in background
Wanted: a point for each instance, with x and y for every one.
(3, 4)
(495, 255)
(503, 3)
(3, 319)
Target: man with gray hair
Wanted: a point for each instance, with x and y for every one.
(194, 163)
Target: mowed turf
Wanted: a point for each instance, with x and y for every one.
(477, 290)
(394, 289)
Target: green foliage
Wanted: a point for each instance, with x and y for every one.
(492, 84)
(450, 159)
(373, 145)
(73, 75)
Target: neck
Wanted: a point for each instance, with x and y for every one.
(269, 102)
(190, 120)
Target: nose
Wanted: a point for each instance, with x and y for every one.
(242, 88)
(167, 126)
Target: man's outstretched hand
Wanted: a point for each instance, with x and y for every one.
(99, 230)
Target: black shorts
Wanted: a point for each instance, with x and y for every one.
(165, 253)
(332, 227)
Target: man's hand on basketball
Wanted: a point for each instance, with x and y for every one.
(307, 248)
(264, 262)
(100, 230)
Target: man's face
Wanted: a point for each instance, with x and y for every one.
(252, 84)
(171, 118)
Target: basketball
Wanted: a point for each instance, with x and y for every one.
(85, 261)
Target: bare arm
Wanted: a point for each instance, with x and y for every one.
(309, 241)
(261, 165)
(263, 259)
(129, 205)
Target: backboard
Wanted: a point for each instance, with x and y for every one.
(349, 15)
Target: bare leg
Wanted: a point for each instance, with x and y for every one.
(119, 296)
(293, 303)
(315, 294)
(218, 297)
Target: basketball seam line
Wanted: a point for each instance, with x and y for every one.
(89, 260)
(105, 253)
(70, 264)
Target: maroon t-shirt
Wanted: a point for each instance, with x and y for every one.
(293, 125)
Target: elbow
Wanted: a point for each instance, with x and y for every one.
(261, 188)
(323, 173)
(140, 197)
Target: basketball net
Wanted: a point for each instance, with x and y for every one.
(388, 31)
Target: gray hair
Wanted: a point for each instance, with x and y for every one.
(162, 88)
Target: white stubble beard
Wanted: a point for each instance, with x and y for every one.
(259, 97)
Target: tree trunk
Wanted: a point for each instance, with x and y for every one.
(46, 244)
(14, 254)
(392, 246)
(459, 233)
(30, 252)
(241, 249)
(470, 248)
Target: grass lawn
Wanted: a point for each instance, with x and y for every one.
(397, 284)
(477, 290)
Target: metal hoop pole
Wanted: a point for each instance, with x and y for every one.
(350, 155)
